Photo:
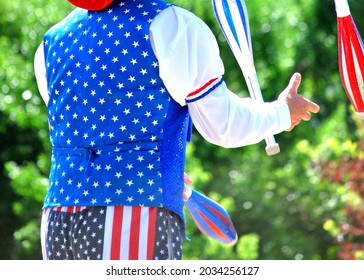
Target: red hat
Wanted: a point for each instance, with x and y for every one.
(93, 5)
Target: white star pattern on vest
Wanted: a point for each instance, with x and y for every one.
(110, 115)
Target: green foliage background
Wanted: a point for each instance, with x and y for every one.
(281, 206)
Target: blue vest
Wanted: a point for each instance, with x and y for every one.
(117, 136)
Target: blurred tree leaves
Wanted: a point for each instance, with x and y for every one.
(24, 154)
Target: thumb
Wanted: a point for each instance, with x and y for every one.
(295, 82)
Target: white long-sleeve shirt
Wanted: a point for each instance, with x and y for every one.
(188, 57)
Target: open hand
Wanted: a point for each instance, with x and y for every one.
(300, 108)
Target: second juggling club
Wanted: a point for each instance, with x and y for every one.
(209, 216)
(351, 57)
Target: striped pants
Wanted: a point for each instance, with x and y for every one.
(111, 233)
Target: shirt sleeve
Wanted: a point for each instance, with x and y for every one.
(192, 70)
(225, 119)
(187, 52)
(40, 73)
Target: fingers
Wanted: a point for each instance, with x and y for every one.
(306, 116)
(295, 82)
(312, 106)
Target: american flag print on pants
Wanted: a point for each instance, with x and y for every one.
(111, 233)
